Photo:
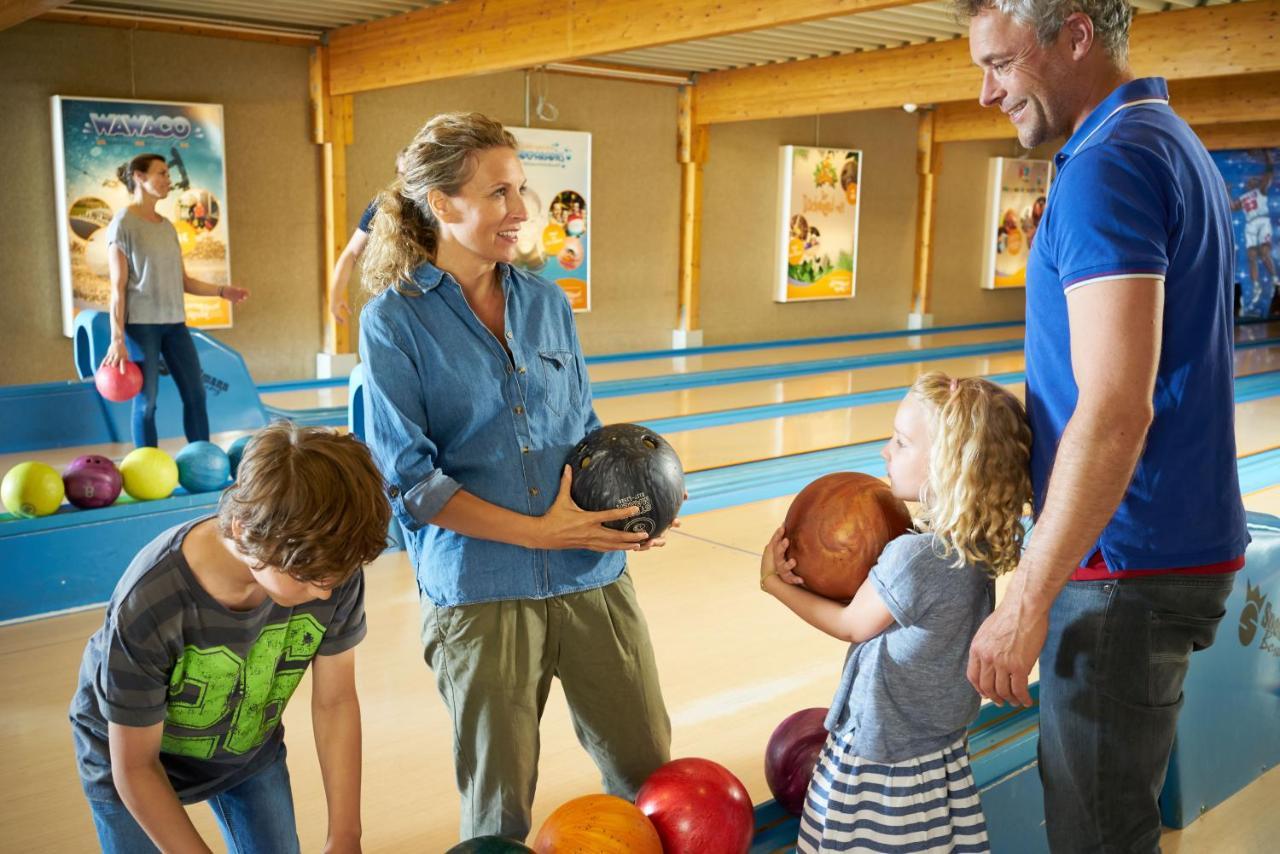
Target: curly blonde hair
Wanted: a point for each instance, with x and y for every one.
(307, 502)
(979, 469)
(442, 156)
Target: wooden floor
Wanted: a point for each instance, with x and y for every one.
(733, 662)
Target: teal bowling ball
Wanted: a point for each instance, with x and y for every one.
(203, 467)
(236, 451)
(489, 845)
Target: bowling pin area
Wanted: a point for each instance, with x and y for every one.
(751, 424)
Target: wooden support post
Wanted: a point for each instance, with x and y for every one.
(928, 165)
(691, 151)
(332, 130)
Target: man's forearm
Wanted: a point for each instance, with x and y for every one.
(1092, 470)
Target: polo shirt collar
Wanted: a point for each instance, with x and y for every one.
(1144, 90)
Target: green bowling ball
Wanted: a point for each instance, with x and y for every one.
(489, 845)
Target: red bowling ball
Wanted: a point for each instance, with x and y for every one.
(792, 755)
(116, 386)
(92, 481)
(698, 807)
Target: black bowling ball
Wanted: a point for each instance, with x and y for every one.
(622, 465)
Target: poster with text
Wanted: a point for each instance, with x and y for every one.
(1017, 191)
(92, 139)
(1255, 224)
(818, 230)
(555, 241)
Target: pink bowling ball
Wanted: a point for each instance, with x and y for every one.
(92, 481)
(116, 386)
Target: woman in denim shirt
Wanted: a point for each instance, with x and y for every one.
(476, 391)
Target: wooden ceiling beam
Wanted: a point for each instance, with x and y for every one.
(1206, 42)
(1202, 102)
(468, 37)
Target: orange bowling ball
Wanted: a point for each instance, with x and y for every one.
(597, 824)
(838, 525)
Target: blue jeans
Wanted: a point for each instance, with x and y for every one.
(255, 817)
(1110, 690)
(173, 341)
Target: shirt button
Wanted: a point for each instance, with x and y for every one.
(533, 490)
(523, 371)
(525, 449)
(508, 335)
(508, 369)
(393, 491)
(519, 410)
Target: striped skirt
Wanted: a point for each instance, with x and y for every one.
(926, 804)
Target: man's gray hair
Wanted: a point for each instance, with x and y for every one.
(1110, 19)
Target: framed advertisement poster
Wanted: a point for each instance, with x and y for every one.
(1016, 194)
(818, 230)
(555, 241)
(92, 139)
(1250, 176)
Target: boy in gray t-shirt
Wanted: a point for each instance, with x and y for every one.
(209, 631)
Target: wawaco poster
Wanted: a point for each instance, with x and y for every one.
(555, 241)
(1017, 191)
(93, 138)
(818, 231)
(1255, 224)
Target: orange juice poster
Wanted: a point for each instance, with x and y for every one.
(1017, 191)
(555, 241)
(92, 139)
(818, 245)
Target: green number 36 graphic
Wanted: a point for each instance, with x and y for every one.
(204, 683)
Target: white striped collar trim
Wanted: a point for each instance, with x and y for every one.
(1103, 123)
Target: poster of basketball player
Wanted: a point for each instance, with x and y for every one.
(93, 138)
(1017, 191)
(555, 241)
(818, 230)
(1255, 224)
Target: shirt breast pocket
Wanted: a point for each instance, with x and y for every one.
(559, 380)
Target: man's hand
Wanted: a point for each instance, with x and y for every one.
(1006, 648)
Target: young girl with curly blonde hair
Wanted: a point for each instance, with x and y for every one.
(894, 774)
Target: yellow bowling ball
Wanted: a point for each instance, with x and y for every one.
(149, 474)
(32, 489)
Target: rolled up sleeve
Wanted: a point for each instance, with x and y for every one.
(398, 424)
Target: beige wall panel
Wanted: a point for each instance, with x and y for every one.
(958, 239)
(634, 175)
(739, 220)
(272, 174)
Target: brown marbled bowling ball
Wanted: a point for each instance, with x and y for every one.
(838, 525)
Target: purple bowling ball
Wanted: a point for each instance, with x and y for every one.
(792, 754)
(92, 481)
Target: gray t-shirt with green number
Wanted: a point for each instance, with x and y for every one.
(218, 679)
(154, 290)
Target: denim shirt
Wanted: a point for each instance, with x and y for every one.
(448, 409)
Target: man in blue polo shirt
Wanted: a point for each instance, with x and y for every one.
(1139, 520)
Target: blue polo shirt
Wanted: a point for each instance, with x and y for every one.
(1137, 196)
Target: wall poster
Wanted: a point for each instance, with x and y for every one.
(1016, 195)
(555, 241)
(92, 139)
(818, 230)
(1255, 225)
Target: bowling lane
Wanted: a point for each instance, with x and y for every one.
(801, 353)
(1264, 501)
(807, 352)
(713, 398)
(710, 398)
(1257, 429)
